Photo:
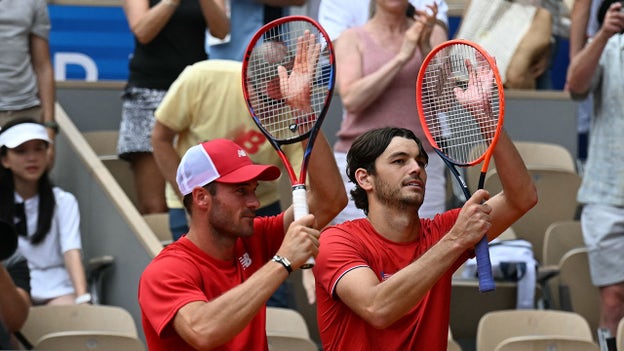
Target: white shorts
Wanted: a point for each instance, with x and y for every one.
(603, 232)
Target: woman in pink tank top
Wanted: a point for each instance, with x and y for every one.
(377, 66)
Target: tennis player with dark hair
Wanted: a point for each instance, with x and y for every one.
(384, 282)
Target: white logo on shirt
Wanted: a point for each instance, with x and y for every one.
(245, 260)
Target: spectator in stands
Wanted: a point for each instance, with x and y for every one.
(384, 282)
(597, 69)
(46, 218)
(169, 35)
(26, 75)
(337, 15)
(377, 66)
(206, 102)
(583, 26)
(246, 17)
(14, 286)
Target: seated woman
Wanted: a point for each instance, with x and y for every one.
(46, 218)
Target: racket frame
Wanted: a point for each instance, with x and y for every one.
(484, 267)
(299, 199)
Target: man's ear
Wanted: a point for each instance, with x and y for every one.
(363, 179)
(201, 198)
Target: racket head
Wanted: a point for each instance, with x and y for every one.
(464, 124)
(274, 45)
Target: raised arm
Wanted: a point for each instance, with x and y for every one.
(358, 91)
(146, 23)
(326, 195)
(42, 64)
(584, 64)
(519, 194)
(579, 18)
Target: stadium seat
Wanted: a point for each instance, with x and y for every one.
(494, 327)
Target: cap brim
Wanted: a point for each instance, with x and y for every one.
(250, 172)
(21, 133)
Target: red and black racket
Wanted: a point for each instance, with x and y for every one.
(460, 100)
(288, 82)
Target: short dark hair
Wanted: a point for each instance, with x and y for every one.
(366, 149)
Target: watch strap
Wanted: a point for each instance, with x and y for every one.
(284, 262)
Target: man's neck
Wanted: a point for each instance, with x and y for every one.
(396, 225)
(213, 245)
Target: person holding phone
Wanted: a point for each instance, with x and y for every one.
(597, 69)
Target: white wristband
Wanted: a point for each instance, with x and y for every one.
(83, 299)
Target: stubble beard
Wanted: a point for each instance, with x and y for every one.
(224, 222)
(393, 198)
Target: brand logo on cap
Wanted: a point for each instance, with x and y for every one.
(242, 153)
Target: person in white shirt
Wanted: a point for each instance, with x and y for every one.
(46, 217)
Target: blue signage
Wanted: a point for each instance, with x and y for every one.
(91, 43)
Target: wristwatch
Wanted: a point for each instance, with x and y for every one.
(52, 125)
(284, 262)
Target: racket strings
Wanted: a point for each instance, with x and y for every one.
(460, 102)
(277, 48)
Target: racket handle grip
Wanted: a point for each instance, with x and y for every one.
(484, 266)
(300, 208)
(300, 202)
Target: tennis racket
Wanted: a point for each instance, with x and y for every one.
(460, 100)
(288, 82)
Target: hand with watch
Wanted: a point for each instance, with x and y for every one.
(284, 262)
(52, 125)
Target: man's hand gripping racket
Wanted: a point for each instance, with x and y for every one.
(460, 100)
(288, 82)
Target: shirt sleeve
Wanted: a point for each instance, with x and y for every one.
(67, 220)
(339, 253)
(166, 285)
(41, 25)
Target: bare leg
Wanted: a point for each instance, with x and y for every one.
(149, 183)
(612, 306)
(62, 300)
